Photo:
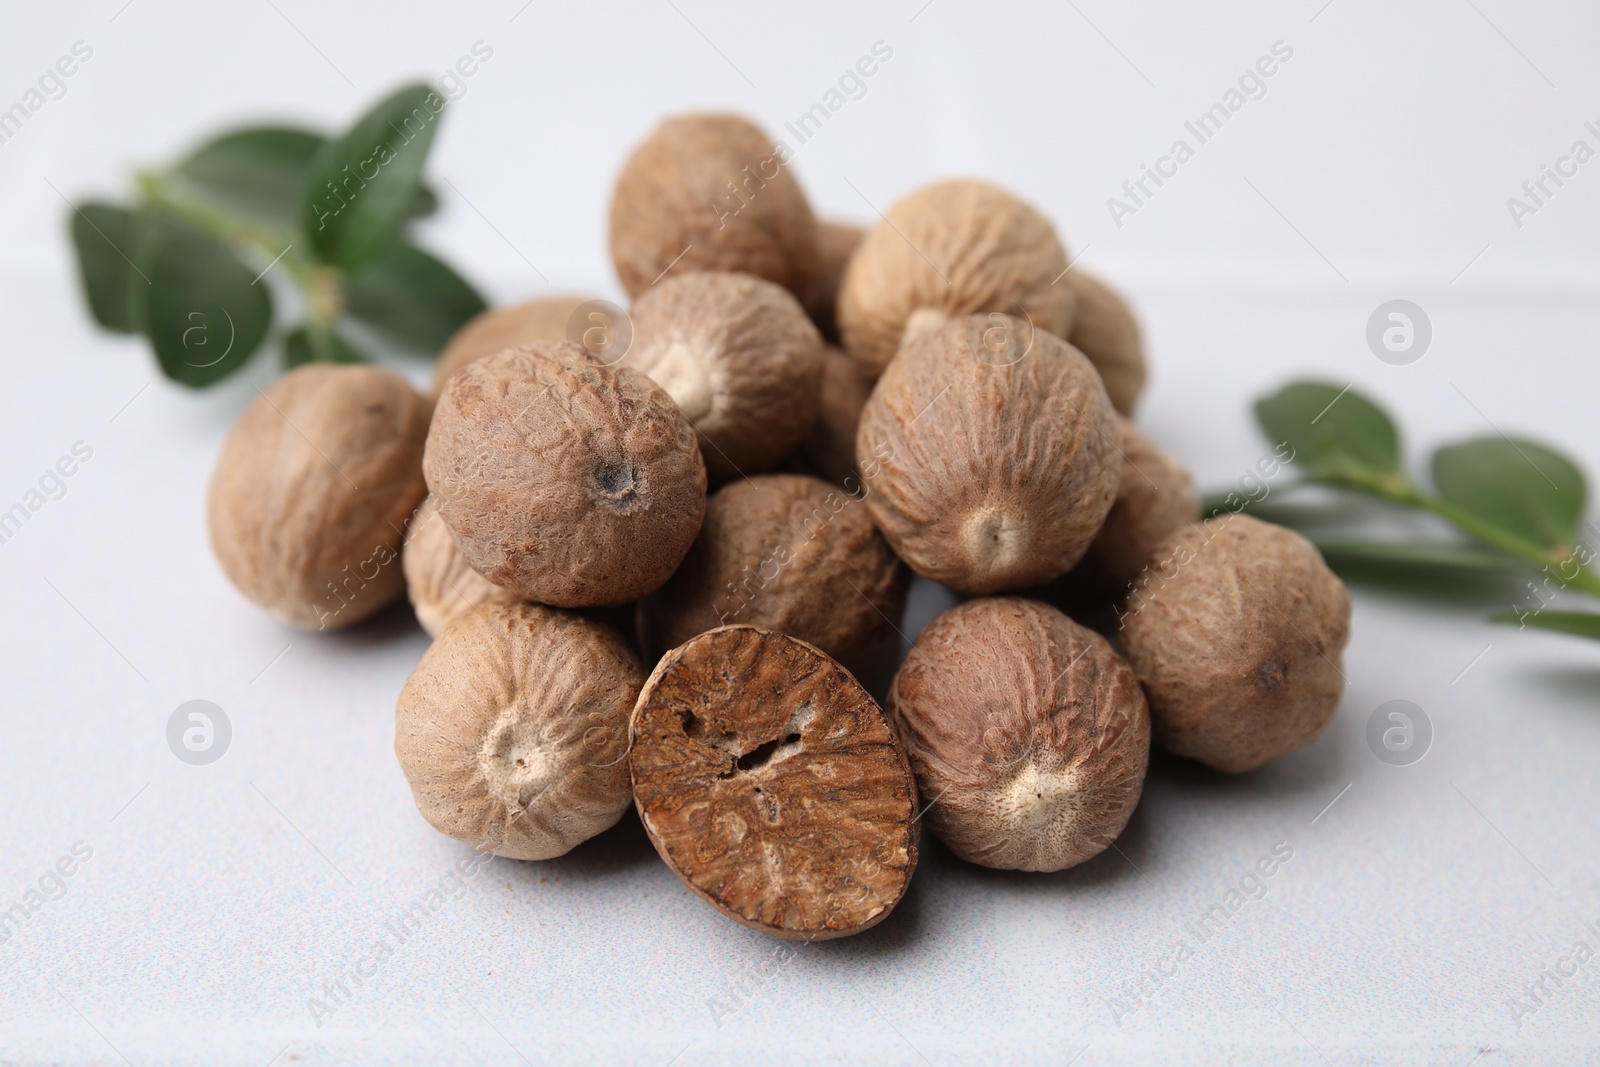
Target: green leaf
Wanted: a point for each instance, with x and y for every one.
(1516, 485)
(1418, 555)
(1330, 427)
(315, 344)
(1577, 623)
(364, 185)
(425, 203)
(411, 297)
(261, 172)
(104, 238)
(202, 313)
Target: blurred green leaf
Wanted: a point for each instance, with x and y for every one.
(1418, 555)
(365, 184)
(1518, 486)
(104, 238)
(315, 344)
(425, 203)
(411, 297)
(261, 172)
(1577, 623)
(1330, 427)
(202, 313)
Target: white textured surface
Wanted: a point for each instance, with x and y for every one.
(222, 899)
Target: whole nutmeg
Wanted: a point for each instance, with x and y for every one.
(1155, 499)
(1105, 330)
(988, 452)
(959, 247)
(1236, 632)
(439, 582)
(563, 480)
(741, 360)
(513, 729)
(790, 553)
(711, 192)
(1027, 732)
(546, 319)
(828, 449)
(836, 242)
(774, 785)
(312, 490)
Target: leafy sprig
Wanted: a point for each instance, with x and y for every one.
(1519, 502)
(186, 265)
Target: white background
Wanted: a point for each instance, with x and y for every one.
(220, 899)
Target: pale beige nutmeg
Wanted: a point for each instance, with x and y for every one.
(545, 319)
(988, 452)
(1155, 499)
(711, 192)
(312, 491)
(828, 450)
(513, 729)
(566, 481)
(1237, 631)
(836, 243)
(1105, 330)
(1028, 729)
(960, 247)
(740, 358)
(774, 785)
(439, 581)
(790, 553)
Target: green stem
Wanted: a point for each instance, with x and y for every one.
(161, 190)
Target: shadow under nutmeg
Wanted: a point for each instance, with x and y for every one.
(624, 847)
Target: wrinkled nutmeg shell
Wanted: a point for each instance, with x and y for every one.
(565, 481)
(959, 247)
(774, 785)
(988, 452)
(1030, 730)
(711, 192)
(836, 242)
(790, 553)
(513, 729)
(439, 582)
(828, 450)
(497, 329)
(1237, 632)
(741, 360)
(312, 491)
(1105, 330)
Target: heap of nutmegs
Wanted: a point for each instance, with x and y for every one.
(942, 394)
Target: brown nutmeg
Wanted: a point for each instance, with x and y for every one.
(439, 582)
(565, 481)
(497, 329)
(836, 243)
(1155, 499)
(988, 452)
(513, 729)
(1237, 631)
(711, 192)
(1027, 732)
(790, 553)
(1105, 330)
(312, 490)
(828, 450)
(959, 247)
(740, 359)
(774, 785)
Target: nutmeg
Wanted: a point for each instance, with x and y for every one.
(1105, 330)
(546, 319)
(1236, 630)
(565, 481)
(309, 501)
(513, 729)
(1028, 734)
(711, 192)
(741, 360)
(959, 247)
(828, 449)
(774, 785)
(790, 553)
(988, 453)
(439, 582)
(836, 243)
